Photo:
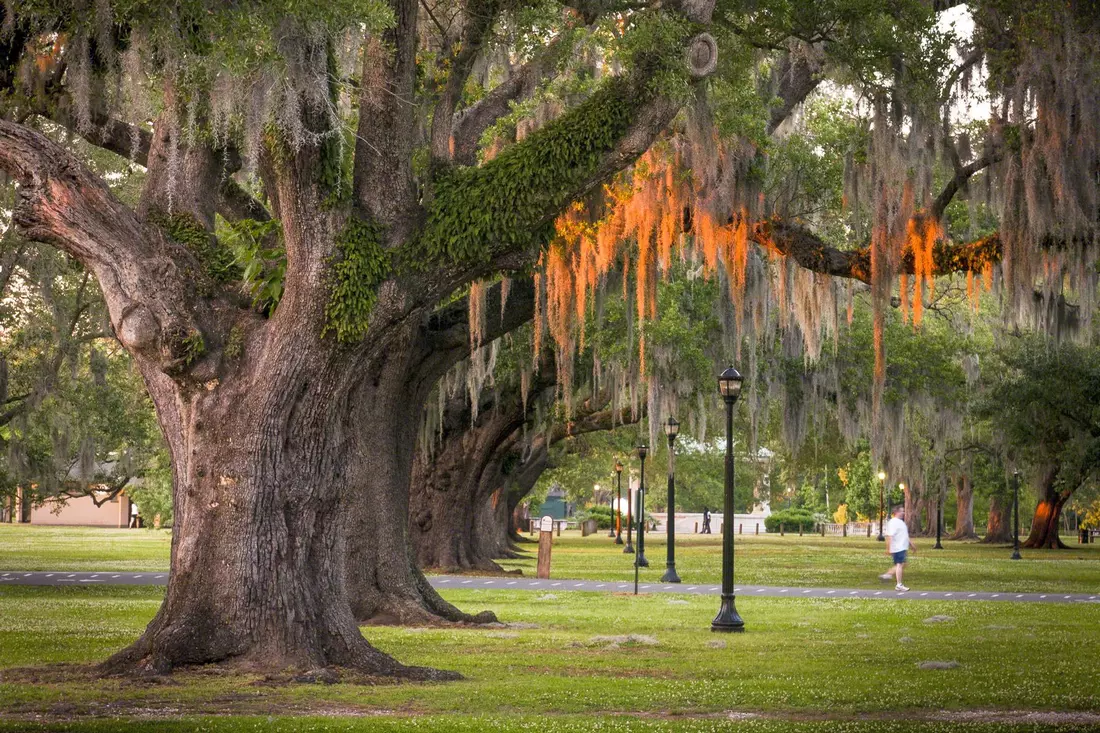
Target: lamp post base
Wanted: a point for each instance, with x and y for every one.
(640, 561)
(629, 549)
(670, 575)
(611, 533)
(881, 538)
(727, 620)
(1016, 555)
(937, 546)
(618, 539)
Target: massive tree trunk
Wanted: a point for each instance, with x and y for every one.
(998, 528)
(1048, 512)
(257, 570)
(964, 515)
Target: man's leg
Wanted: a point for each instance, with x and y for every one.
(898, 569)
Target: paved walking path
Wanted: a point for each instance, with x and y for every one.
(510, 583)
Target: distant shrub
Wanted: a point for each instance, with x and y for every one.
(790, 519)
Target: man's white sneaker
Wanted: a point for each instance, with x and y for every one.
(886, 576)
(901, 587)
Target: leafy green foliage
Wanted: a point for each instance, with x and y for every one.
(358, 269)
(260, 255)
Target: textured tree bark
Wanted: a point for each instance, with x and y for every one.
(998, 529)
(964, 517)
(912, 510)
(454, 480)
(257, 572)
(1048, 512)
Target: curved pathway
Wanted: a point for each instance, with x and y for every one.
(59, 578)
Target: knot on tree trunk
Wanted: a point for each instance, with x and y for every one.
(702, 55)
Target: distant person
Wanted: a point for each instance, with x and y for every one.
(897, 546)
(134, 518)
(706, 521)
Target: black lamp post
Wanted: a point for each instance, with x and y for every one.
(939, 519)
(629, 549)
(672, 429)
(881, 507)
(729, 386)
(618, 504)
(639, 559)
(1016, 514)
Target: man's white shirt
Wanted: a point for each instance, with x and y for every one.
(898, 534)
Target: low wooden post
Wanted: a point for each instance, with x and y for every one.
(740, 528)
(781, 528)
(559, 529)
(868, 529)
(696, 528)
(758, 529)
(800, 529)
(823, 529)
(546, 540)
(844, 531)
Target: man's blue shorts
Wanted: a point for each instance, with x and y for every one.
(899, 557)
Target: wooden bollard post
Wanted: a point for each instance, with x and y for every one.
(844, 531)
(546, 540)
(781, 528)
(559, 531)
(868, 529)
(740, 527)
(823, 529)
(800, 529)
(696, 528)
(758, 529)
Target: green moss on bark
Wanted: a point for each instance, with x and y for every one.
(508, 204)
(217, 261)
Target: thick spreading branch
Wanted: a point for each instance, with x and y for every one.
(794, 77)
(142, 274)
(472, 122)
(962, 175)
(479, 22)
(383, 182)
(810, 252)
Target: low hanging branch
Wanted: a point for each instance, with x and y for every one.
(810, 252)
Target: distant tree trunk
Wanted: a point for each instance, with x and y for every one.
(964, 516)
(1044, 525)
(999, 527)
(912, 510)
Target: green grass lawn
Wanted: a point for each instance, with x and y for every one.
(30, 547)
(801, 660)
(833, 562)
(804, 664)
(765, 560)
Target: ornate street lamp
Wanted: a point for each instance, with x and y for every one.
(639, 559)
(629, 549)
(672, 429)
(881, 507)
(1015, 514)
(619, 503)
(729, 386)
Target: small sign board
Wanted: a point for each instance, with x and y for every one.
(546, 524)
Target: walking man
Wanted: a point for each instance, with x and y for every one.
(706, 521)
(897, 546)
